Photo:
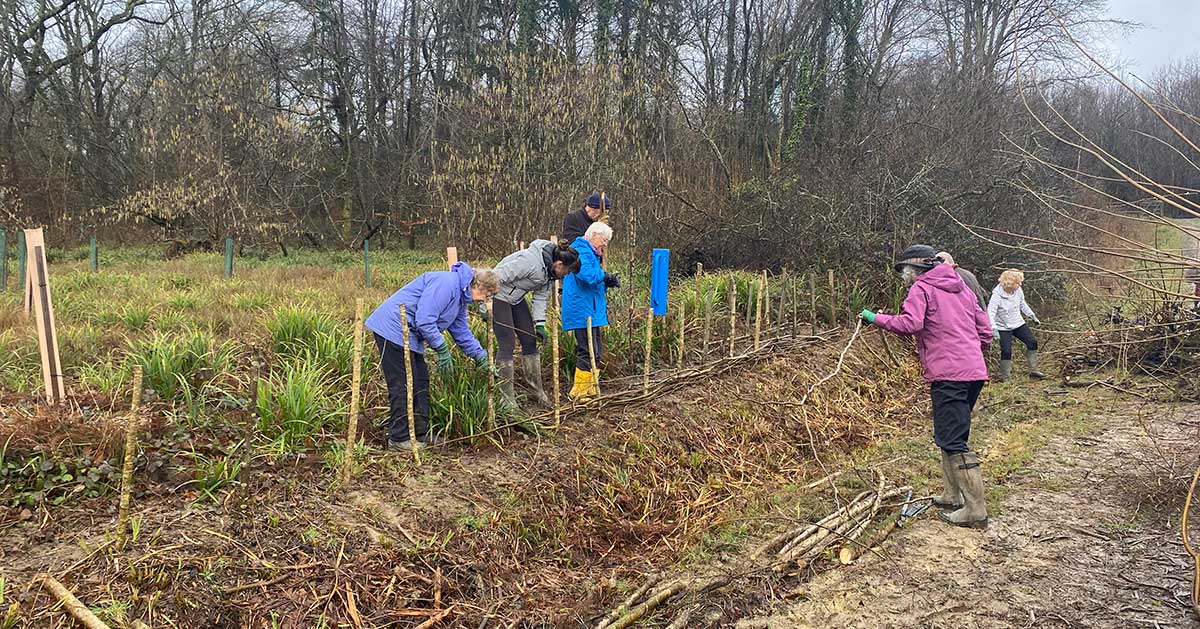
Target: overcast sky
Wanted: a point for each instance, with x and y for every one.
(1171, 31)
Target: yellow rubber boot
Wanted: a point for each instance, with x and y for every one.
(593, 386)
(583, 382)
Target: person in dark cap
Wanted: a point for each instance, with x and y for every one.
(952, 332)
(577, 222)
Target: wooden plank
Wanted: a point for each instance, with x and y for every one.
(43, 306)
(451, 256)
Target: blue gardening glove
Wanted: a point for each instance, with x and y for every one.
(540, 329)
(444, 362)
(611, 280)
(867, 315)
(995, 335)
(483, 313)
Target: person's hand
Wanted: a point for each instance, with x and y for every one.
(1037, 321)
(483, 313)
(540, 329)
(482, 362)
(611, 280)
(444, 362)
(995, 335)
(867, 315)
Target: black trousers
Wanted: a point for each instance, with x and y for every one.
(952, 406)
(582, 359)
(512, 322)
(1023, 333)
(391, 359)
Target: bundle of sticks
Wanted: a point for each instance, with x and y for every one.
(790, 551)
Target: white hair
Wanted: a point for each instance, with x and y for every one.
(599, 229)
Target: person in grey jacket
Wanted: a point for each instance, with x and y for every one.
(968, 278)
(1005, 309)
(530, 270)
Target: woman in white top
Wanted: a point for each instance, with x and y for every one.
(1005, 309)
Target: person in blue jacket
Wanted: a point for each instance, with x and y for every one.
(436, 302)
(585, 295)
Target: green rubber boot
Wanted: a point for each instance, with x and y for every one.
(951, 497)
(973, 513)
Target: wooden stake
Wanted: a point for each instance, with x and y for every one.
(131, 430)
(795, 319)
(765, 310)
(451, 256)
(682, 329)
(779, 314)
(522, 245)
(649, 341)
(491, 366)
(408, 380)
(38, 295)
(251, 426)
(555, 328)
(758, 312)
(355, 393)
(592, 358)
(732, 313)
(850, 552)
(832, 300)
(556, 296)
(751, 295)
(72, 604)
(812, 303)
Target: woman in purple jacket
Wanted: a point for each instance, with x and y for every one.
(952, 332)
(436, 302)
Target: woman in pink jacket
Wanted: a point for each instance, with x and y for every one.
(952, 332)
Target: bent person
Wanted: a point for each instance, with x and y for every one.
(968, 278)
(952, 333)
(1005, 309)
(435, 302)
(531, 270)
(585, 296)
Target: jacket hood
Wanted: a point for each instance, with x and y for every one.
(942, 277)
(583, 242)
(465, 274)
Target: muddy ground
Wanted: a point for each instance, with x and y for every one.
(1087, 535)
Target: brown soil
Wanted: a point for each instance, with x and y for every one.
(1088, 536)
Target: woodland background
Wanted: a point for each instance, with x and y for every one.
(757, 133)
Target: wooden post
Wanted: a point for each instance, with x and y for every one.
(408, 380)
(832, 300)
(131, 430)
(367, 263)
(556, 296)
(592, 358)
(732, 312)
(765, 310)
(682, 323)
(3, 260)
(521, 246)
(93, 256)
(795, 320)
(355, 393)
(491, 367)
(37, 296)
(758, 312)
(555, 329)
(451, 256)
(228, 258)
(251, 426)
(649, 341)
(751, 294)
(779, 314)
(812, 302)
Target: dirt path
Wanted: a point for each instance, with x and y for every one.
(1082, 539)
